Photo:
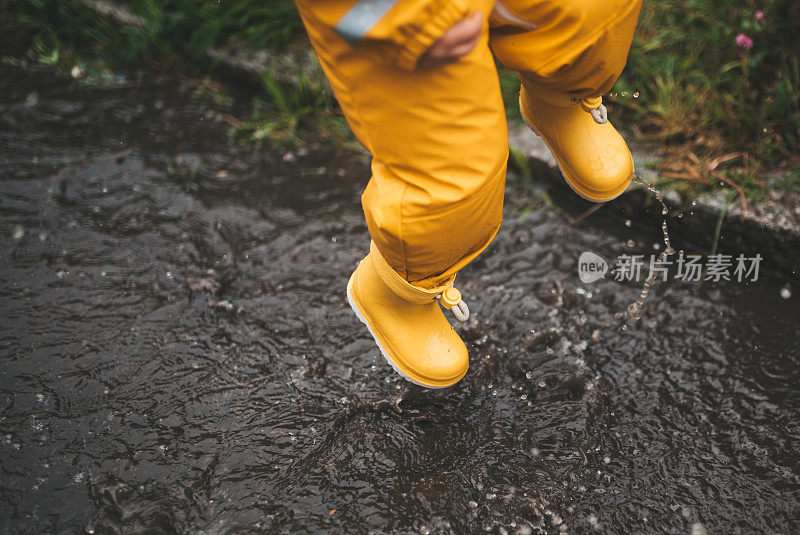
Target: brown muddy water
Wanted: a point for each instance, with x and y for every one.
(179, 357)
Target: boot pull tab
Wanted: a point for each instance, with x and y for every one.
(595, 106)
(451, 298)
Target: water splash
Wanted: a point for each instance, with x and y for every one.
(786, 291)
(635, 308)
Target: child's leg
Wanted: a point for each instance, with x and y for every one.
(438, 139)
(568, 54)
(577, 47)
(439, 143)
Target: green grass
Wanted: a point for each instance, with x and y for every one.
(197, 24)
(287, 110)
(701, 91)
(175, 32)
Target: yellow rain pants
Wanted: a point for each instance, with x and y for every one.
(438, 136)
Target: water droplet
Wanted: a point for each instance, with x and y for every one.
(636, 94)
(18, 233)
(631, 243)
(786, 292)
(627, 222)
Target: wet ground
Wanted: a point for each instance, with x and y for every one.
(178, 357)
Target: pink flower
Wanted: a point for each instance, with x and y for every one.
(743, 41)
(760, 17)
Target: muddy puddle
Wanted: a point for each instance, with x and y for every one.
(177, 353)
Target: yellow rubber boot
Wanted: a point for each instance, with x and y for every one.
(593, 157)
(408, 324)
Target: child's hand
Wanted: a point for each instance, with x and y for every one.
(457, 42)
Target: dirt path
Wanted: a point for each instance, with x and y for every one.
(181, 358)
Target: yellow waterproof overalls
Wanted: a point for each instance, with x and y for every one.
(438, 136)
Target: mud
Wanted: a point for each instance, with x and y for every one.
(177, 353)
